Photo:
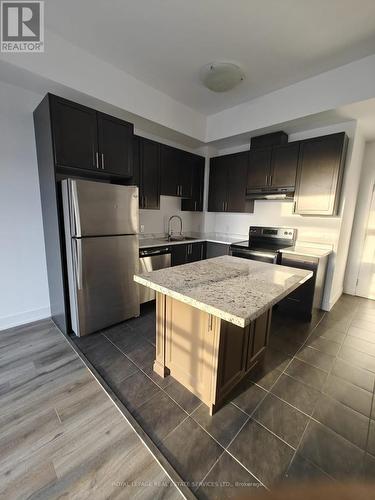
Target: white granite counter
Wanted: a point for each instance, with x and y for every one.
(233, 289)
(306, 251)
(160, 240)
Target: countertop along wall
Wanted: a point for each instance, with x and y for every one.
(23, 274)
(317, 230)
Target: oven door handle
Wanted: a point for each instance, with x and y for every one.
(261, 254)
(251, 254)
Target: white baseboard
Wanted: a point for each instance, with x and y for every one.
(24, 317)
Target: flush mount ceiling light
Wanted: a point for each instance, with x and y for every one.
(221, 76)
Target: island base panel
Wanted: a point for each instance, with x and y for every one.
(206, 354)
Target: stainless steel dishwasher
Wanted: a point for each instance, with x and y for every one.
(152, 259)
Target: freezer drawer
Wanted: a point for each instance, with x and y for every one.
(102, 289)
(100, 209)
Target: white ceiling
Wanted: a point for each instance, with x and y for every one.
(165, 42)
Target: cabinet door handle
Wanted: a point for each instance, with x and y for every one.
(266, 180)
(223, 206)
(102, 161)
(195, 205)
(270, 180)
(97, 159)
(210, 322)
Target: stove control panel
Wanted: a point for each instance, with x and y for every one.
(273, 233)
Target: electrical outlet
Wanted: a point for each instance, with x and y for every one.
(142, 229)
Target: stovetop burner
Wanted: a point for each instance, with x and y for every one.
(264, 243)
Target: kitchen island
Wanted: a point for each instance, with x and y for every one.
(213, 319)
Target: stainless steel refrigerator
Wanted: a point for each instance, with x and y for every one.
(101, 226)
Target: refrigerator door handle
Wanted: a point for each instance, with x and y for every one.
(77, 255)
(76, 220)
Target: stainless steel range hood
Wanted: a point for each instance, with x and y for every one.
(271, 193)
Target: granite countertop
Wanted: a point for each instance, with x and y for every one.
(233, 289)
(307, 251)
(159, 240)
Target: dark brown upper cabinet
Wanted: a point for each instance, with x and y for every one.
(86, 139)
(284, 163)
(259, 168)
(176, 172)
(217, 188)
(273, 168)
(227, 187)
(75, 134)
(115, 145)
(195, 203)
(320, 169)
(147, 172)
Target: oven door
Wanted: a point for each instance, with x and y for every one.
(270, 257)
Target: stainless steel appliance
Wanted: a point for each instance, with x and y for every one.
(152, 259)
(264, 243)
(101, 225)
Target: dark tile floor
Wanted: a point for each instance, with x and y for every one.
(307, 414)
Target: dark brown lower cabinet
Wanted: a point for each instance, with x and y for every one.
(187, 252)
(178, 256)
(258, 338)
(232, 362)
(240, 350)
(214, 249)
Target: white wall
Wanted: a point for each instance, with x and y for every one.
(360, 219)
(23, 276)
(348, 201)
(333, 231)
(156, 221)
(350, 83)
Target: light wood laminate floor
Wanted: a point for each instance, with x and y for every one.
(60, 434)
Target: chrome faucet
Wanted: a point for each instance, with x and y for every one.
(169, 225)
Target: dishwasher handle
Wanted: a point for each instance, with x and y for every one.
(154, 251)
